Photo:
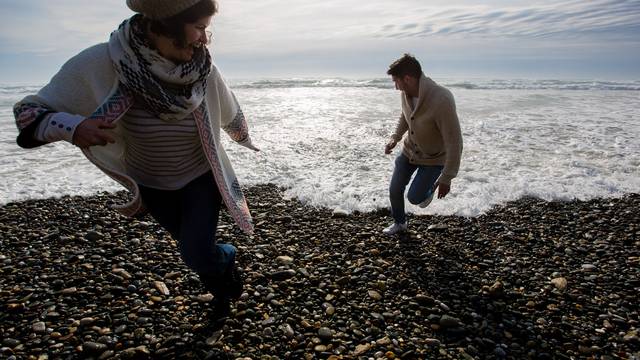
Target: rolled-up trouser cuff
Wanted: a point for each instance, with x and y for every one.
(214, 281)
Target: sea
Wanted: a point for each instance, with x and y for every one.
(322, 141)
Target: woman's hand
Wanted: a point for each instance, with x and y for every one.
(248, 144)
(252, 147)
(92, 132)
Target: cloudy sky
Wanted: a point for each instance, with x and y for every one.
(594, 39)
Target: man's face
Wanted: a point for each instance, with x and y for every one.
(400, 82)
(407, 84)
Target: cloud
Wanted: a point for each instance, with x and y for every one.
(42, 27)
(601, 19)
(274, 26)
(328, 34)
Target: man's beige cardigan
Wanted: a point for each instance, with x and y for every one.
(434, 136)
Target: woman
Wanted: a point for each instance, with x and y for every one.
(146, 108)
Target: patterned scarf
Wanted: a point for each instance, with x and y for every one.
(168, 91)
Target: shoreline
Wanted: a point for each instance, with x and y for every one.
(121, 195)
(529, 278)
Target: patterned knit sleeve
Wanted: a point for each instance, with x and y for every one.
(28, 116)
(232, 119)
(237, 129)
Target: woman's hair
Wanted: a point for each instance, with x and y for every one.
(406, 65)
(173, 27)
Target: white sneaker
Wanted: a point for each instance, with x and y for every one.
(426, 201)
(395, 228)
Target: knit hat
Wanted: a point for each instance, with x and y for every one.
(160, 9)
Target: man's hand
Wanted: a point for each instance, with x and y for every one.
(390, 145)
(443, 189)
(92, 132)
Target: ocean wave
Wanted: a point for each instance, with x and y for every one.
(386, 83)
(494, 84)
(545, 85)
(311, 83)
(18, 89)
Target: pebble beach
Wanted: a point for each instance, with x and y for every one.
(528, 279)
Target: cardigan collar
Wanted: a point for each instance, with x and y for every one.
(425, 90)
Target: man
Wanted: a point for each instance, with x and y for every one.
(433, 145)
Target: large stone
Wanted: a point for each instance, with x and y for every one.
(283, 275)
(93, 347)
(560, 283)
(285, 260)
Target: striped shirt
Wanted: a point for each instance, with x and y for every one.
(159, 154)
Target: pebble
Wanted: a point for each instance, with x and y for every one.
(69, 291)
(9, 342)
(284, 260)
(424, 300)
(93, 347)
(448, 322)
(283, 275)
(93, 236)
(325, 333)
(588, 267)
(87, 321)
(631, 337)
(340, 213)
(432, 342)
(205, 298)
(268, 332)
(162, 288)
(437, 227)
(375, 295)
(493, 286)
(560, 283)
(330, 310)
(288, 330)
(39, 327)
(361, 349)
(122, 272)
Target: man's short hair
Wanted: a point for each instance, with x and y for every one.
(406, 65)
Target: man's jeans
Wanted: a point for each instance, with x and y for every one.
(190, 214)
(421, 187)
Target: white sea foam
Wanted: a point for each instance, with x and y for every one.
(323, 139)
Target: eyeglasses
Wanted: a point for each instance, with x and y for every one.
(209, 37)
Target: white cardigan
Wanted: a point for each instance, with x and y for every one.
(87, 86)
